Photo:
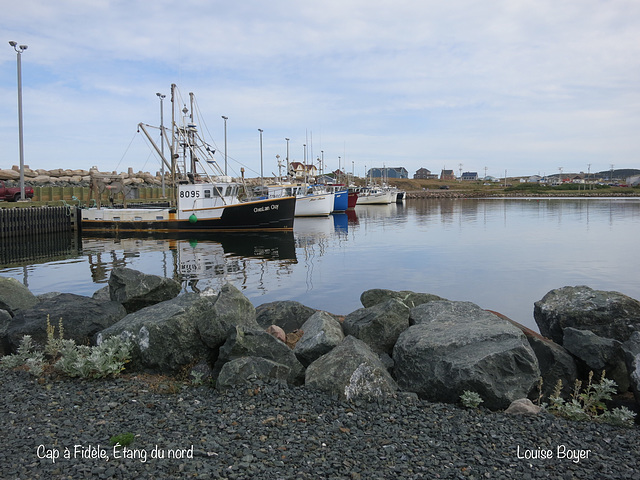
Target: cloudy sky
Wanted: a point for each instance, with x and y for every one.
(525, 86)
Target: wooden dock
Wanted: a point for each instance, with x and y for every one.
(24, 222)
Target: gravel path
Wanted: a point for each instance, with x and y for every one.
(275, 432)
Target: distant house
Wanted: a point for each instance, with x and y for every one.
(388, 172)
(447, 175)
(300, 170)
(469, 176)
(423, 173)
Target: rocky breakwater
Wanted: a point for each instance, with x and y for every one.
(399, 344)
(78, 177)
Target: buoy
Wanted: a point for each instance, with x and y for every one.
(193, 218)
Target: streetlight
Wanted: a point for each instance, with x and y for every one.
(261, 169)
(225, 143)
(162, 97)
(19, 49)
(287, 156)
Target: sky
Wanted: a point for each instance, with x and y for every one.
(518, 86)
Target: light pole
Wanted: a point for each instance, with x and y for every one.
(19, 49)
(225, 143)
(261, 168)
(162, 97)
(287, 156)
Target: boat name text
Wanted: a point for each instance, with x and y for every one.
(266, 208)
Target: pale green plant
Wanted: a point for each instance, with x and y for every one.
(470, 399)
(27, 356)
(589, 403)
(106, 359)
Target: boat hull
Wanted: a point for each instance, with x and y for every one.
(340, 201)
(314, 205)
(269, 214)
(378, 198)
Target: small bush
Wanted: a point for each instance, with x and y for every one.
(471, 399)
(589, 404)
(106, 359)
(124, 439)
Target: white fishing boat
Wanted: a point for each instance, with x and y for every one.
(374, 195)
(204, 200)
(310, 201)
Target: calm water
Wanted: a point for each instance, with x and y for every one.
(502, 254)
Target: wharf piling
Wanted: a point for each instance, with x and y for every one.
(21, 222)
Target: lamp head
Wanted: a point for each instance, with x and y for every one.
(12, 43)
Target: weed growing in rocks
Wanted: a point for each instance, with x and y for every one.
(123, 439)
(471, 399)
(106, 359)
(589, 404)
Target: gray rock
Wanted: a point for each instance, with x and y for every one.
(102, 294)
(165, 337)
(321, 334)
(457, 346)
(374, 296)
(286, 314)
(631, 349)
(523, 406)
(380, 325)
(607, 314)
(555, 364)
(351, 370)
(14, 296)
(229, 309)
(82, 317)
(597, 353)
(245, 342)
(136, 290)
(5, 321)
(246, 370)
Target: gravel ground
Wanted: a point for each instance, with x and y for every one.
(60, 428)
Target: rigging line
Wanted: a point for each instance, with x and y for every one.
(125, 152)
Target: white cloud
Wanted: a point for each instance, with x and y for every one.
(508, 85)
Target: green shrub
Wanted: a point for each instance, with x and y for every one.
(471, 399)
(589, 404)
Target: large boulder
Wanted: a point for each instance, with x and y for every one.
(81, 317)
(245, 342)
(247, 370)
(164, 336)
(286, 314)
(14, 296)
(5, 321)
(380, 325)
(136, 290)
(607, 314)
(372, 297)
(321, 333)
(229, 309)
(457, 346)
(631, 349)
(555, 364)
(351, 371)
(596, 353)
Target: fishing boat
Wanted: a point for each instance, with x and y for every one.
(204, 200)
(310, 200)
(340, 196)
(374, 195)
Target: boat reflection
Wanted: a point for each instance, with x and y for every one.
(190, 259)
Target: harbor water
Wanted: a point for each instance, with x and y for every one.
(502, 254)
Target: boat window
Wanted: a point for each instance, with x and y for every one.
(229, 189)
(207, 194)
(114, 218)
(137, 219)
(159, 217)
(217, 191)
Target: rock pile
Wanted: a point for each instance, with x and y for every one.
(78, 177)
(399, 343)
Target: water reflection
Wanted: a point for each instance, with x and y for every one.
(193, 260)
